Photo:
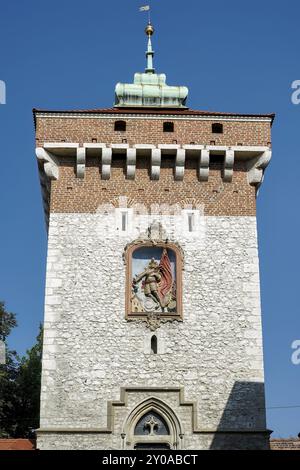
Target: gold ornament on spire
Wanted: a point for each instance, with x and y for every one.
(149, 30)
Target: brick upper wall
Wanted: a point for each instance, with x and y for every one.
(150, 131)
(70, 194)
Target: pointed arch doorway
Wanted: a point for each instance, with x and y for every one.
(153, 425)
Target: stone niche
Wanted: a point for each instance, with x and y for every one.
(153, 281)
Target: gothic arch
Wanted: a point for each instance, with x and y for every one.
(153, 404)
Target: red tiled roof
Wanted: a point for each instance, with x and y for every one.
(17, 444)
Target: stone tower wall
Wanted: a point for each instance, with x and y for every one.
(98, 366)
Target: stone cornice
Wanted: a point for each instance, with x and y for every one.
(57, 430)
(137, 115)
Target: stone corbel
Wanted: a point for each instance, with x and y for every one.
(228, 165)
(80, 162)
(50, 162)
(204, 165)
(179, 165)
(155, 163)
(257, 166)
(106, 163)
(130, 163)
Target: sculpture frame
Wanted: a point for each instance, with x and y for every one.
(128, 254)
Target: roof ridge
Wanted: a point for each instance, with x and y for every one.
(150, 111)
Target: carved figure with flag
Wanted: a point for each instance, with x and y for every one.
(165, 289)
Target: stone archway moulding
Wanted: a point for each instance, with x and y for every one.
(148, 405)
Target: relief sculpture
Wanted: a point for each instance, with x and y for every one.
(153, 286)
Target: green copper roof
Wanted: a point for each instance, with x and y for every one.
(150, 89)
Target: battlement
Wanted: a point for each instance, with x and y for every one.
(87, 158)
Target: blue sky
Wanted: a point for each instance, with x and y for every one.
(234, 56)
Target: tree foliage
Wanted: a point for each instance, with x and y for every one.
(20, 383)
(7, 322)
(29, 386)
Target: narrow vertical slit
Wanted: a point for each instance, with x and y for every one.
(124, 221)
(191, 222)
(154, 344)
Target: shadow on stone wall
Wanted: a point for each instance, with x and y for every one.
(243, 423)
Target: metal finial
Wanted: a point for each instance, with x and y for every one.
(149, 30)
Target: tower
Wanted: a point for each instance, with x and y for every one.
(152, 333)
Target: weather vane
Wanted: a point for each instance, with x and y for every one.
(146, 8)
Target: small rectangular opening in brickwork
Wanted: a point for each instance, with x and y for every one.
(216, 161)
(120, 126)
(168, 126)
(217, 128)
(143, 162)
(191, 163)
(92, 161)
(167, 162)
(118, 161)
